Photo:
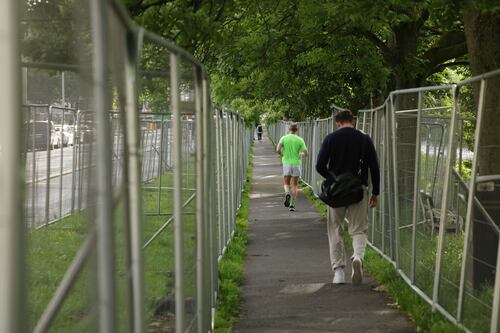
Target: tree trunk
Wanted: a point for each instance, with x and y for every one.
(482, 30)
(404, 51)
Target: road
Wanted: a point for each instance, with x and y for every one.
(50, 195)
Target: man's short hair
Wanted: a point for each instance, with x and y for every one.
(293, 128)
(344, 117)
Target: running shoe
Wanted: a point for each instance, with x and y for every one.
(287, 199)
(292, 208)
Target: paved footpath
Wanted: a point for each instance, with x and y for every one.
(287, 286)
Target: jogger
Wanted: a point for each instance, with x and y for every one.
(292, 148)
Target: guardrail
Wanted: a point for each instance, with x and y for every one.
(440, 233)
(145, 196)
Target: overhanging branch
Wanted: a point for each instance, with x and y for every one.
(441, 67)
(140, 6)
(451, 45)
(370, 36)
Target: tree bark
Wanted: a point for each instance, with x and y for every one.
(482, 31)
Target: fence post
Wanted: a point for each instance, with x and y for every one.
(104, 201)
(220, 182)
(416, 182)
(136, 281)
(470, 199)
(227, 175)
(395, 180)
(47, 172)
(12, 261)
(313, 157)
(208, 222)
(160, 164)
(200, 202)
(178, 223)
(444, 207)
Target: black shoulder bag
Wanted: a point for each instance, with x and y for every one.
(345, 189)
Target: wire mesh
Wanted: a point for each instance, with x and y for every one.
(121, 152)
(440, 232)
(435, 130)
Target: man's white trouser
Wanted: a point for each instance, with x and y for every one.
(356, 216)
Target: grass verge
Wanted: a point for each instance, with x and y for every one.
(419, 311)
(231, 264)
(52, 249)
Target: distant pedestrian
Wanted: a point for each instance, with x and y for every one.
(292, 148)
(347, 150)
(260, 130)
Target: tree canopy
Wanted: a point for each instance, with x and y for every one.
(297, 58)
(302, 56)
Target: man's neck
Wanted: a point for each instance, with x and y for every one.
(345, 125)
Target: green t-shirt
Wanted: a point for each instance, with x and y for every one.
(292, 145)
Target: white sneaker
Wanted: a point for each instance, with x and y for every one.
(357, 271)
(338, 276)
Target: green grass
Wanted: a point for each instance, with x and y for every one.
(52, 249)
(231, 265)
(407, 300)
(50, 253)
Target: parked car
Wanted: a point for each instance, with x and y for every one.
(65, 125)
(37, 135)
(67, 134)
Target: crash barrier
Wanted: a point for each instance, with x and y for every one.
(440, 232)
(120, 181)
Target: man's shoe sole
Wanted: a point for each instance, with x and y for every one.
(292, 209)
(357, 273)
(287, 200)
(338, 282)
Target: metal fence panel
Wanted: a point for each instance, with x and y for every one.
(133, 181)
(440, 232)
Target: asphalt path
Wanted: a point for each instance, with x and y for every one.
(287, 281)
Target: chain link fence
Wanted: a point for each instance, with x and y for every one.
(121, 183)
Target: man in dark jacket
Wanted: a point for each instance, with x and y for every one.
(349, 150)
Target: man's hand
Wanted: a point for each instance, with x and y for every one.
(278, 148)
(373, 201)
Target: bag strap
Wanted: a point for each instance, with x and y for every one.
(363, 150)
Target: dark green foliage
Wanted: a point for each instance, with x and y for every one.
(294, 59)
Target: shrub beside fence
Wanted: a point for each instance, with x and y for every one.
(439, 232)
